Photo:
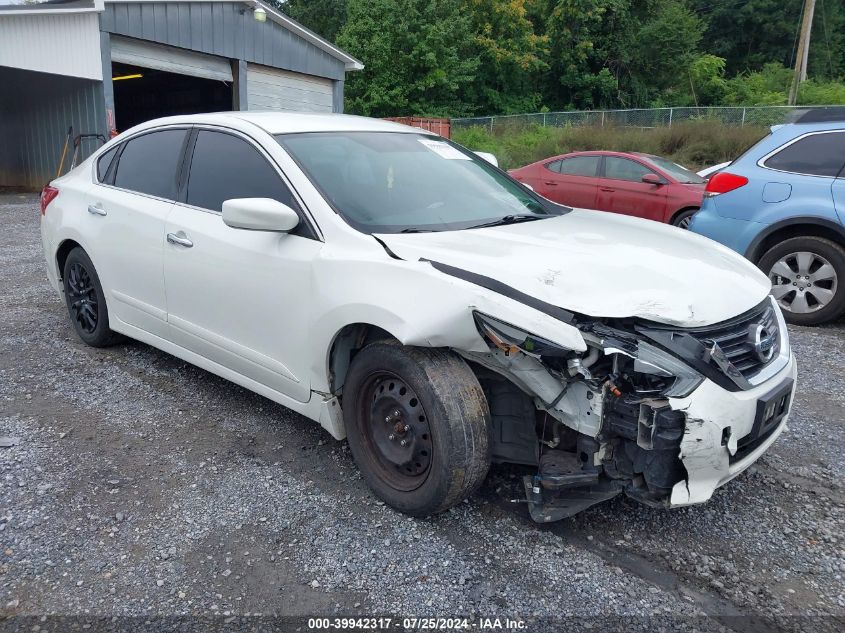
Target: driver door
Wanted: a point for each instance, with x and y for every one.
(239, 297)
(621, 190)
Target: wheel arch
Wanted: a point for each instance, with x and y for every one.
(345, 344)
(794, 227)
(62, 252)
(675, 215)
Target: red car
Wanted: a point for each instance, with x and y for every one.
(631, 183)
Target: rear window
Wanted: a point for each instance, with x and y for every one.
(150, 163)
(103, 163)
(579, 166)
(821, 154)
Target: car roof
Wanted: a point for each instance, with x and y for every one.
(599, 152)
(288, 122)
(830, 114)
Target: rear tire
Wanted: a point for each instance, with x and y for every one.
(682, 220)
(86, 301)
(418, 426)
(808, 279)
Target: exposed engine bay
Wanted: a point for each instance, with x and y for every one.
(607, 421)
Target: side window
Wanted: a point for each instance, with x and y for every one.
(580, 166)
(104, 161)
(815, 155)
(554, 166)
(225, 167)
(624, 169)
(150, 163)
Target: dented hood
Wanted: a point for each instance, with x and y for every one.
(601, 265)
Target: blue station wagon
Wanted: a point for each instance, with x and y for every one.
(782, 205)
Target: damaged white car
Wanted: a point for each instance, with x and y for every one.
(408, 295)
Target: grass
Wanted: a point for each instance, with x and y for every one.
(694, 144)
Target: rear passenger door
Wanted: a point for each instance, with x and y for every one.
(621, 190)
(126, 212)
(838, 190)
(571, 181)
(239, 298)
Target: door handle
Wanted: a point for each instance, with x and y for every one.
(179, 238)
(551, 183)
(607, 189)
(96, 209)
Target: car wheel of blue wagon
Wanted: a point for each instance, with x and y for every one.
(808, 279)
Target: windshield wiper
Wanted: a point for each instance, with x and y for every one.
(510, 219)
(415, 229)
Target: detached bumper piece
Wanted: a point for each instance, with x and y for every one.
(640, 458)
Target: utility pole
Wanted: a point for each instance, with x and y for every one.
(803, 50)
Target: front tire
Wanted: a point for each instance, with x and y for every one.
(418, 426)
(86, 301)
(808, 279)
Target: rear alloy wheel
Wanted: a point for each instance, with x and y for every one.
(85, 300)
(684, 218)
(807, 275)
(418, 426)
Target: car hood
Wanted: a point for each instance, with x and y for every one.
(601, 265)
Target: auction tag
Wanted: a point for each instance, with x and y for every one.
(444, 149)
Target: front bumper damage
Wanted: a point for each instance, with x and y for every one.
(609, 435)
(676, 454)
(725, 432)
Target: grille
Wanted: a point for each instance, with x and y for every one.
(736, 340)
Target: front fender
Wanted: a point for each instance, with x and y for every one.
(418, 305)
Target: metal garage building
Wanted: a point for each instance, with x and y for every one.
(105, 65)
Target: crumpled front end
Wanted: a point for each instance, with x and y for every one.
(726, 432)
(664, 415)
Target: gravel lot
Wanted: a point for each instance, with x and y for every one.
(142, 486)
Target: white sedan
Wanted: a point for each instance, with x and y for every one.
(407, 294)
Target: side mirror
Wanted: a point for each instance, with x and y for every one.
(259, 214)
(652, 179)
(490, 158)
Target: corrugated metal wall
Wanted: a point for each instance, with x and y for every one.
(36, 108)
(66, 44)
(220, 28)
(40, 109)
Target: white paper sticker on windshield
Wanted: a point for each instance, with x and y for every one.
(444, 149)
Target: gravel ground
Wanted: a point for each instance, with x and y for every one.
(142, 486)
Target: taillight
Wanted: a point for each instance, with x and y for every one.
(48, 194)
(723, 182)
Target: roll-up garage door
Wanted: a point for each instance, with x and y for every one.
(274, 89)
(169, 59)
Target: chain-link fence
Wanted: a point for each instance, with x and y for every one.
(642, 118)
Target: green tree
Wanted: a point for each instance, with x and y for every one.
(707, 80)
(324, 17)
(661, 52)
(754, 33)
(582, 50)
(511, 57)
(418, 55)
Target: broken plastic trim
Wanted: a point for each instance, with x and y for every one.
(510, 338)
(503, 289)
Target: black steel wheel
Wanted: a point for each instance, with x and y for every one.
(418, 426)
(85, 300)
(395, 430)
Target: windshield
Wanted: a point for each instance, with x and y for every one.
(389, 182)
(681, 174)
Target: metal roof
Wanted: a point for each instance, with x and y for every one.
(281, 19)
